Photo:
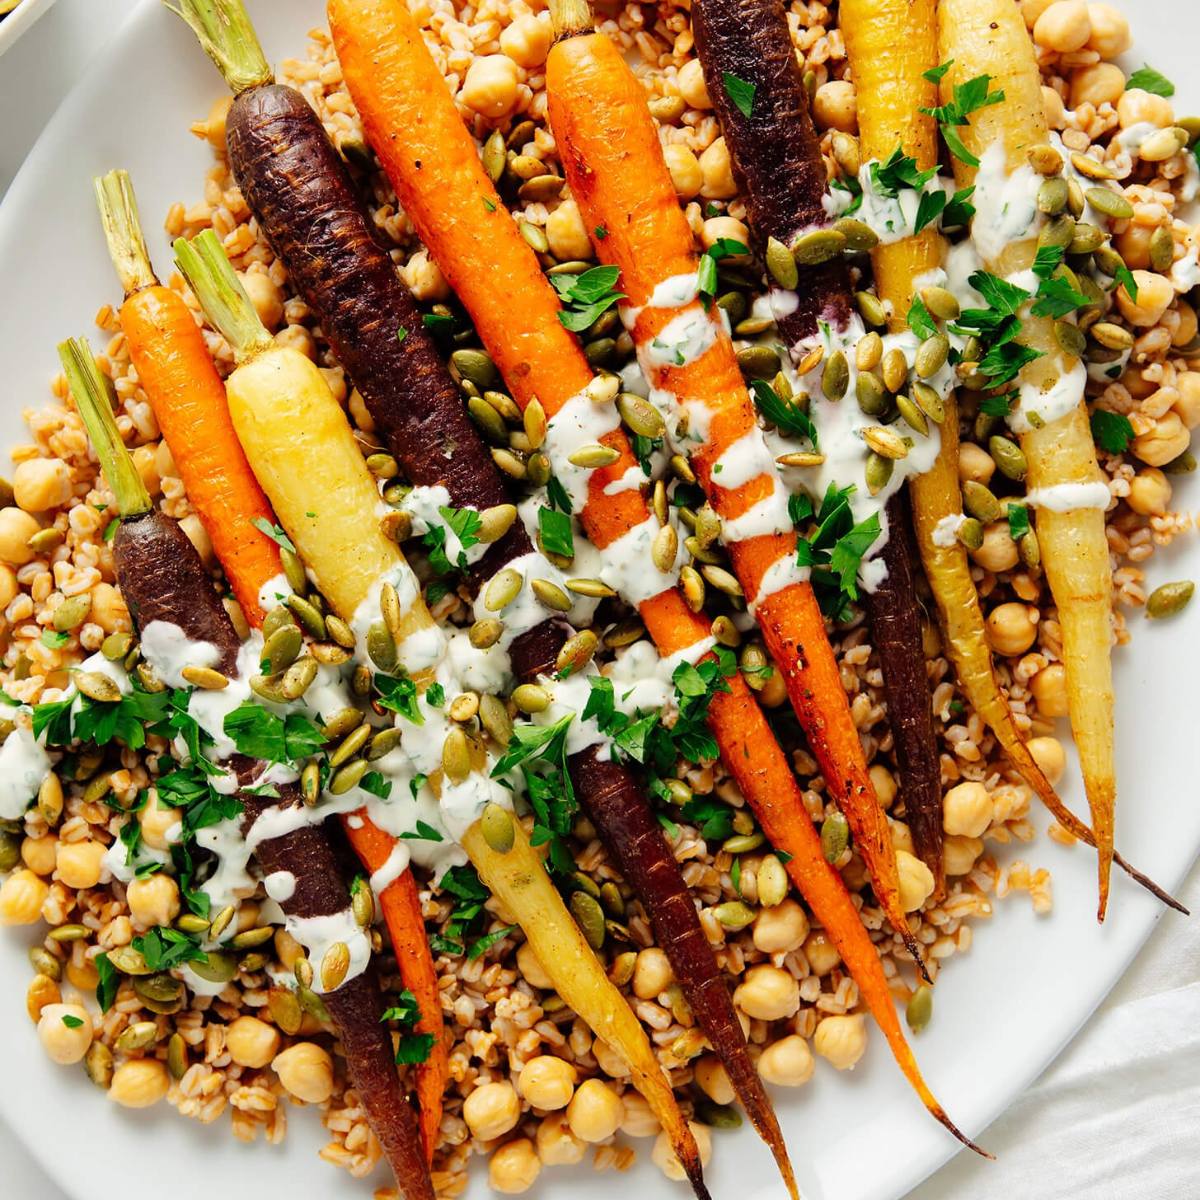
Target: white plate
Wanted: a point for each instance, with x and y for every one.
(1003, 1011)
(19, 20)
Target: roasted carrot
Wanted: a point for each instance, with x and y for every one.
(294, 432)
(776, 156)
(989, 37)
(614, 164)
(163, 579)
(432, 162)
(188, 399)
(890, 44)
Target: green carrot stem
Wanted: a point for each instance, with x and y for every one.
(212, 278)
(571, 17)
(228, 38)
(123, 231)
(93, 394)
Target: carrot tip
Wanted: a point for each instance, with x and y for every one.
(1145, 881)
(915, 950)
(940, 1113)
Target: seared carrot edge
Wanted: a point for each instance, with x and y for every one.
(613, 161)
(889, 44)
(989, 36)
(460, 217)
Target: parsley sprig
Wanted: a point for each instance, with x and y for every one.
(464, 524)
(586, 296)
(832, 545)
(969, 97)
(790, 419)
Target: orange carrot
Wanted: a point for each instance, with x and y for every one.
(613, 161)
(188, 399)
(410, 119)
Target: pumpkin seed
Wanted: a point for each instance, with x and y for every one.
(878, 472)
(1070, 339)
(871, 309)
(335, 966)
(1030, 550)
(505, 405)
(384, 742)
(502, 589)
(912, 415)
(621, 970)
(307, 615)
(758, 362)
(221, 921)
(496, 825)
(219, 967)
(362, 904)
(931, 355)
(781, 264)
(391, 610)
(894, 367)
(846, 152)
(600, 351)
(205, 678)
(721, 579)
(980, 502)
(1009, 457)
(531, 698)
(1087, 239)
(485, 633)
(192, 923)
(10, 850)
(541, 188)
(941, 302)
(818, 246)
(859, 236)
(282, 648)
(1052, 196)
(97, 686)
(116, 646)
(276, 619)
(456, 755)
(640, 415)
(1162, 144)
(490, 422)
(381, 646)
(585, 883)
(1110, 202)
(734, 915)
(718, 1116)
(667, 109)
(919, 1009)
(681, 468)
(339, 632)
(50, 799)
(884, 441)
(1162, 248)
(98, 788)
(248, 939)
(1169, 599)
(594, 588)
(158, 989)
(593, 456)
(589, 916)
(1108, 260)
(692, 583)
(383, 466)
(463, 707)
(742, 843)
(835, 377)
(551, 595)
(475, 366)
(72, 612)
(98, 1063)
(340, 724)
(929, 401)
(44, 963)
(612, 900)
(1184, 464)
(1189, 125)
(835, 837)
(46, 540)
(537, 470)
(664, 548)
(1090, 168)
(350, 776)
(1058, 231)
(970, 533)
(576, 652)
(285, 1010)
(1111, 336)
(350, 745)
(69, 933)
(312, 1004)
(493, 716)
(867, 352)
(495, 522)
(725, 632)
(303, 971)
(772, 882)
(624, 633)
(495, 157)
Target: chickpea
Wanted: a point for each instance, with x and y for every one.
(639, 1119)
(547, 1082)
(609, 1061)
(424, 278)
(884, 783)
(1054, 108)
(531, 968)
(959, 854)
(716, 170)
(713, 1080)
(153, 900)
(841, 1040)
(251, 1042)
(1155, 294)
(975, 464)
(835, 106)
(691, 85)
(527, 40)
(145, 459)
(139, 1083)
(1032, 9)
(821, 953)
(781, 929)
(1149, 493)
(1167, 440)
(306, 1071)
(194, 529)
(685, 170)
(1133, 244)
(787, 1062)
(916, 881)
(967, 809)
(41, 483)
(594, 1113)
(1063, 27)
(490, 87)
(266, 298)
(1139, 107)
(8, 585)
(768, 993)
(108, 609)
(1012, 628)
(158, 823)
(16, 528)
(1101, 83)
(652, 973)
(557, 1146)
(1189, 325)
(1049, 754)
(998, 552)
(514, 1168)
(901, 836)
(492, 1110)
(1049, 688)
(1187, 407)
(80, 864)
(567, 234)
(164, 462)
(1110, 31)
(65, 1031)
(40, 854)
(716, 228)
(663, 1155)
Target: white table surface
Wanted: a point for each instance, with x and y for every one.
(1117, 1115)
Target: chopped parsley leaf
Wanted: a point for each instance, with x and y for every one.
(262, 734)
(790, 419)
(274, 532)
(740, 92)
(554, 528)
(1018, 521)
(398, 693)
(586, 296)
(1149, 80)
(108, 983)
(1112, 431)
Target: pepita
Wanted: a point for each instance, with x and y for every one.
(10, 850)
(74, 932)
(490, 422)
(341, 722)
(624, 633)
(1045, 159)
(721, 579)
(72, 612)
(884, 441)
(350, 776)
(350, 745)
(725, 632)
(970, 533)
(485, 633)
(495, 157)
(594, 588)
(600, 351)
(463, 707)
(551, 595)
(593, 456)
(159, 992)
(912, 415)
(612, 900)
(362, 904)
(1057, 232)
(496, 825)
(221, 922)
(664, 548)
(495, 522)
(919, 1009)
(476, 366)
(1091, 168)
(205, 678)
(681, 468)
(818, 246)
(44, 963)
(46, 540)
(334, 966)
(980, 502)
(846, 152)
(860, 237)
(96, 686)
(719, 1116)
(541, 188)
(98, 788)
(835, 837)
(502, 589)
(1169, 599)
(285, 1010)
(50, 799)
(307, 615)
(531, 698)
(692, 583)
(734, 915)
(1110, 202)
(219, 967)
(871, 309)
(1030, 549)
(282, 648)
(456, 755)
(835, 376)
(493, 716)
(781, 264)
(589, 916)
(868, 352)
(742, 843)
(894, 367)
(576, 652)
(248, 939)
(931, 355)
(640, 415)
(1010, 458)
(98, 1063)
(1070, 338)
(941, 302)
(621, 971)
(878, 472)
(381, 646)
(929, 401)
(772, 882)
(384, 742)
(1052, 196)
(667, 109)
(1087, 238)
(116, 646)
(312, 1004)
(1162, 248)
(758, 362)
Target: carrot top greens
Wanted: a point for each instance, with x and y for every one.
(228, 38)
(123, 231)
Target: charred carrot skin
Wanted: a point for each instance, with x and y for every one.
(410, 118)
(776, 157)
